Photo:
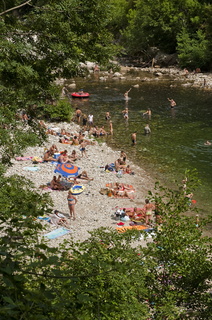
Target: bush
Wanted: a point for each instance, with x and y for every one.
(193, 52)
(111, 66)
(61, 111)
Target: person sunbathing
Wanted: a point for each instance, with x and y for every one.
(137, 215)
(65, 140)
(63, 158)
(119, 164)
(73, 156)
(121, 190)
(58, 218)
(128, 170)
(75, 141)
(84, 176)
(48, 156)
(102, 131)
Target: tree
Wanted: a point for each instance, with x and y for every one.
(182, 269)
(165, 24)
(193, 52)
(42, 41)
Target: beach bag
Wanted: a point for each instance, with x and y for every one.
(122, 214)
(126, 218)
(119, 174)
(103, 191)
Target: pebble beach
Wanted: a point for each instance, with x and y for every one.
(93, 210)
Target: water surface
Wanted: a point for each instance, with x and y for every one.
(176, 142)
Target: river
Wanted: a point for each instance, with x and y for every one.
(176, 142)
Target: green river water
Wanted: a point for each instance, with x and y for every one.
(176, 142)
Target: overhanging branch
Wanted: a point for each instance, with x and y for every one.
(11, 9)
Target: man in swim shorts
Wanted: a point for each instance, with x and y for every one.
(172, 103)
(133, 138)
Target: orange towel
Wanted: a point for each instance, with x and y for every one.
(136, 227)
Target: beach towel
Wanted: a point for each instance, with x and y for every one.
(31, 168)
(23, 158)
(136, 227)
(44, 218)
(57, 233)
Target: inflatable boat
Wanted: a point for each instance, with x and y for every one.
(77, 189)
(80, 95)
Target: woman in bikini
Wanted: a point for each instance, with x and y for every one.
(72, 200)
(148, 209)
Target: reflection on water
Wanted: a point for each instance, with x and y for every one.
(177, 134)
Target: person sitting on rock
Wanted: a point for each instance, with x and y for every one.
(55, 184)
(73, 156)
(53, 149)
(48, 156)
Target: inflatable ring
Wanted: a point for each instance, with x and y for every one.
(77, 189)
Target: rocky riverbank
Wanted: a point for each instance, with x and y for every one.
(93, 209)
(196, 79)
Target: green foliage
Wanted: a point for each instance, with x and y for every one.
(40, 42)
(193, 52)
(170, 26)
(183, 270)
(111, 66)
(59, 111)
(108, 276)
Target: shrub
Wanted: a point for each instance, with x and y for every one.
(193, 52)
(61, 111)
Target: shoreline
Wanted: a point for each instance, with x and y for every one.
(93, 209)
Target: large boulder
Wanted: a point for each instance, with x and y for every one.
(165, 60)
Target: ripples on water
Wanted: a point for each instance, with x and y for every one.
(178, 135)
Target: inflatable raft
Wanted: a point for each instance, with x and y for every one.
(77, 189)
(81, 95)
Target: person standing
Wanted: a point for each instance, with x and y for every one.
(125, 113)
(82, 149)
(148, 113)
(72, 200)
(84, 120)
(111, 127)
(90, 120)
(107, 116)
(148, 209)
(172, 103)
(133, 137)
(78, 114)
(126, 94)
(147, 129)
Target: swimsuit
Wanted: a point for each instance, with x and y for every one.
(71, 204)
(149, 212)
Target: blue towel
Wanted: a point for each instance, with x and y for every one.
(31, 168)
(57, 233)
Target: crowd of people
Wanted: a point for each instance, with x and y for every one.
(138, 215)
